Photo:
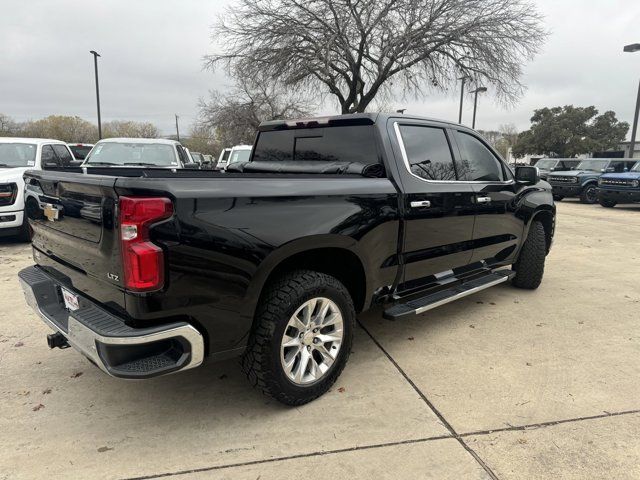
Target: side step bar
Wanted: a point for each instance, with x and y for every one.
(421, 305)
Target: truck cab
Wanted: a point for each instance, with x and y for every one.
(615, 188)
(17, 155)
(582, 182)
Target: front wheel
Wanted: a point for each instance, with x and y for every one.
(589, 194)
(529, 267)
(607, 203)
(302, 337)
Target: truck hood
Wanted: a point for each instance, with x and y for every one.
(574, 173)
(13, 175)
(623, 176)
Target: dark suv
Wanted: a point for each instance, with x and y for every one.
(583, 181)
(548, 165)
(614, 188)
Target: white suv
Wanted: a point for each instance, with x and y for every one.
(18, 155)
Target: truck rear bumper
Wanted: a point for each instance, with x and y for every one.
(116, 348)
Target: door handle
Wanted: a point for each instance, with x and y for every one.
(421, 204)
(483, 199)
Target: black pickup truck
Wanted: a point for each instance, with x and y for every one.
(150, 271)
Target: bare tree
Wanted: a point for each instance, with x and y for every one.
(357, 50)
(130, 129)
(234, 116)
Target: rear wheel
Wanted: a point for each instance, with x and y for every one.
(589, 194)
(607, 203)
(302, 338)
(529, 267)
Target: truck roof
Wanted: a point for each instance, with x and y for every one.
(346, 119)
(163, 141)
(38, 141)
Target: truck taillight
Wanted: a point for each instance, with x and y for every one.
(142, 261)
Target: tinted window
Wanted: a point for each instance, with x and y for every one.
(478, 163)
(337, 144)
(80, 151)
(428, 152)
(48, 157)
(620, 166)
(63, 155)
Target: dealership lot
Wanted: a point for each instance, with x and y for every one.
(506, 384)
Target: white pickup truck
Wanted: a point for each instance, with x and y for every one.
(18, 155)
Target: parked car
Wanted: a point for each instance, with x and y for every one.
(329, 218)
(223, 159)
(80, 150)
(138, 152)
(208, 161)
(18, 155)
(583, 181)
(239, 153)
(548, 165)
(615, 188)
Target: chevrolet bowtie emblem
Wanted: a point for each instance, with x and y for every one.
(51, 212)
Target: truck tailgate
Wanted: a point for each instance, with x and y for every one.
(73, 221)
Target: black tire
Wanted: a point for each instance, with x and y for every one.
(261, 361)
(558, 198)
(607, 203)
(25, 231)
(589, 194)
(529, 267)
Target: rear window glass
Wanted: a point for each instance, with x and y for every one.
(333, 144)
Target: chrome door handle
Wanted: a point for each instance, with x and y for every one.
(421, 204)
(483, 199)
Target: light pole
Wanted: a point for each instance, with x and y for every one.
(475, 103)
(177, 129)
(463, 79)
(95, 66)
(634, 47)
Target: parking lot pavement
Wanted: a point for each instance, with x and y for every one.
(473, 390)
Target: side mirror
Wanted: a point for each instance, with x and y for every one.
(527, 175)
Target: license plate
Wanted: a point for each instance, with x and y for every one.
(70, 300)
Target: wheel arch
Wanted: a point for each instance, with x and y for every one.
(330, 254)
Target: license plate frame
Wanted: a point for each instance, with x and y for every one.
(70, 300)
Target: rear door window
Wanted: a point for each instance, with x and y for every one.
(333, 144)
(428, 152)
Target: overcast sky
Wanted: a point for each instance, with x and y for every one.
(151, 65)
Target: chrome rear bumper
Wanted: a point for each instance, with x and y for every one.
(116, 348)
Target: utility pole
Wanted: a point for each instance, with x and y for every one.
(464, 79)
(177, 129)
(95, 66)
(475, 103)
(634, 47)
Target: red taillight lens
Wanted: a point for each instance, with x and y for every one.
(142, 261)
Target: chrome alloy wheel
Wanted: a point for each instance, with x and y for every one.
(311, 341)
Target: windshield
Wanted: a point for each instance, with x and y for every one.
(636, 167)
(593, 165)
(240, 156)
(152, 154)
(546, 164)
(80, 151)
(17, 155)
